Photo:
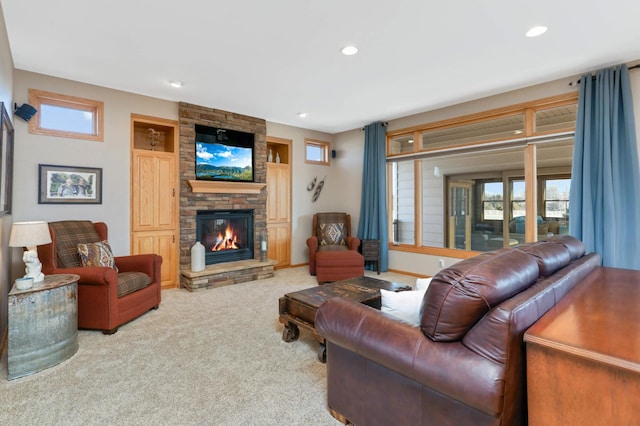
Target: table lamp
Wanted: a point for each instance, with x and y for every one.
(30, 235)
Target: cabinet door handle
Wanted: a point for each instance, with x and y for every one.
(173, 192)
(174, 239)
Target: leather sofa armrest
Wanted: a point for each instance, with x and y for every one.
(447, 367)
(353, 243)
(91, 275)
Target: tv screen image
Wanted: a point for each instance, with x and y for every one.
(223, 155)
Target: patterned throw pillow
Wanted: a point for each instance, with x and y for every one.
(97, 254)
(332, 233)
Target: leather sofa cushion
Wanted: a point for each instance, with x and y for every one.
(461, 294)
(574, 245)
(550, 257)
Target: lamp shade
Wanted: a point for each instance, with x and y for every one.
(29, 234)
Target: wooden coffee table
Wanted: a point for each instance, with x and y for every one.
(298, 309)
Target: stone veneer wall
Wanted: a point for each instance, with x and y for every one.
(190, 202)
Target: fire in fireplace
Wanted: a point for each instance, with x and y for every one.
(227, 235)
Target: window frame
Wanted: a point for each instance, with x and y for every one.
(39, 97)
(323, 145)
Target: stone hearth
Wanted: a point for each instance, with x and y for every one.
(223, 274)
(191, 200)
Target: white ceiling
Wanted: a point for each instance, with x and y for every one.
(274, 59)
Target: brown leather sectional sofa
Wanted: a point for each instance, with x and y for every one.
(465, 364)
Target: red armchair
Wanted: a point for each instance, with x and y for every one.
(333, 252)
(106, 298)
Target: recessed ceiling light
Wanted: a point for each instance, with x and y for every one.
(303, 114)
(410, 141)
(349, 50)
(517, 132)
(176, 83)
(536, 31)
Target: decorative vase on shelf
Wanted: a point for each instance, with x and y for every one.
(270, 157)
(197, 257)
(277, 157)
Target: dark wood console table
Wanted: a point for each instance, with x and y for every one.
(583, 356)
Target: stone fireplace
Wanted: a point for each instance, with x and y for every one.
(230, 197)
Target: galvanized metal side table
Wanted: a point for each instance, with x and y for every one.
(43, 325)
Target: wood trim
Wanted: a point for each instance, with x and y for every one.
(531, 190)
(413, 274)
(434, 251)
(544, 103)
(226, 187)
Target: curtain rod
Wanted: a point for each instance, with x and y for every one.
(384, 124)
(575, 83)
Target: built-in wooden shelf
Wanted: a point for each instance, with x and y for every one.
(226, 187)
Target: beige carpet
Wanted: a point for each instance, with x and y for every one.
(214, 357)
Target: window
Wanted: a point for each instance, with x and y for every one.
(459, 183)
(403, 204)
(316, 152)
(492, 201)
(556, 198)
(66, 116)
(518, 201)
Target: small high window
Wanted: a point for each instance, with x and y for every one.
(316, 152)
(66, 116)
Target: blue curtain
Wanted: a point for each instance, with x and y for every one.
(604, 201)
(373, 208)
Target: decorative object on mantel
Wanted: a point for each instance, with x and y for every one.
(312, 184)
(318, 190)
(197, 257)
(270, 157)
(153, 134)
(30, 235)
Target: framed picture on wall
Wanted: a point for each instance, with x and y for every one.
(69, 185)
(6, 160)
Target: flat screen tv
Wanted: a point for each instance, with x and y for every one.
(224, 155)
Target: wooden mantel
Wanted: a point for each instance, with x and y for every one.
(226, 187)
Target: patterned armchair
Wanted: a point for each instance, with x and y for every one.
(107, 296)
(333, 252)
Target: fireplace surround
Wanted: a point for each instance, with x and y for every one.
(227, 235)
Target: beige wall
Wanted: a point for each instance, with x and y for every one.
(6, 96)
(112, 155)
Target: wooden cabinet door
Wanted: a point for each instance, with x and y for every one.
(164, 244)
(279, 247)
(279, 193)
(153, 191)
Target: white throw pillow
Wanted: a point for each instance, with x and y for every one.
(423, 283)
(403, 305)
